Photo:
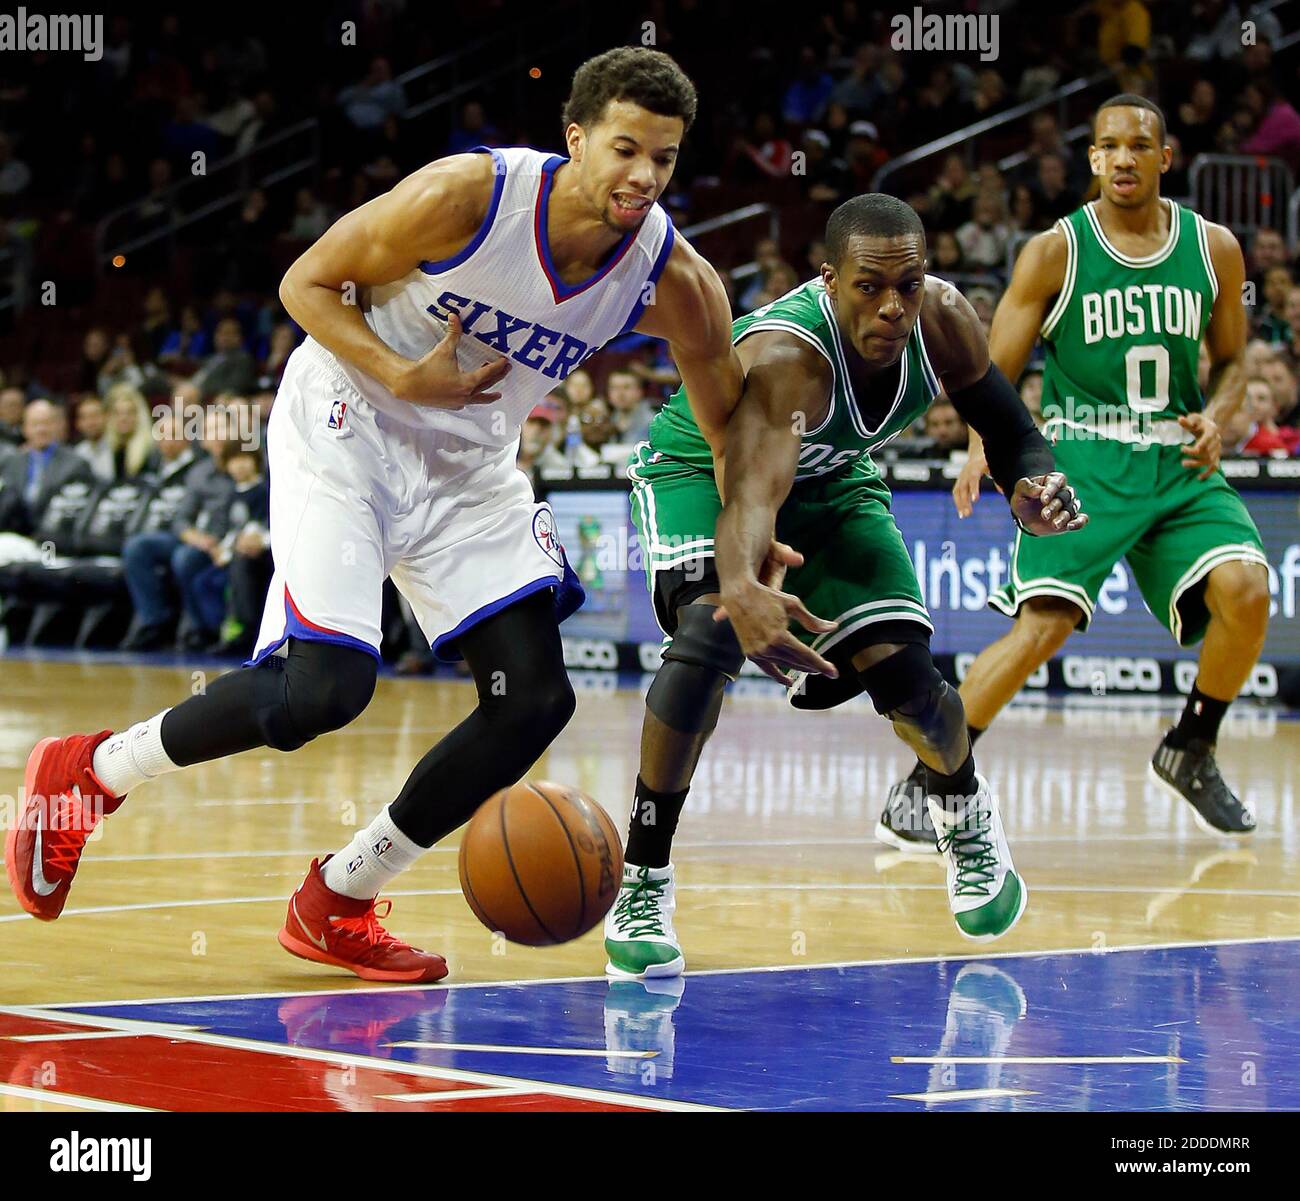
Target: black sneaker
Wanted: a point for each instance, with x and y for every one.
(905, 822)
(1191, 773)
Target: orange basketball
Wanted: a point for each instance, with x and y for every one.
(541, 863)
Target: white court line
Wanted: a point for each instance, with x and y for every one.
(1031, 1059)
(963, 1094)
(39, 1009)
(346, 1059)
(861, 886)
(87, 1036)
(77, 1102)
(1032, 839)
(456, 1094)
(595, 1053)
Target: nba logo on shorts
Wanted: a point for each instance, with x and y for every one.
(544, 532)
(338, 409)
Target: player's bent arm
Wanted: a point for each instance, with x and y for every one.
(788, 378)
(1226, 334)
(1037, 278)
(981, 393)
(429, 215)
(690, 311)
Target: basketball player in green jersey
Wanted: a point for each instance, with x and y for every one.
(1122, 292)
(834, 369)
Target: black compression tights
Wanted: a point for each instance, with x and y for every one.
(524, 701)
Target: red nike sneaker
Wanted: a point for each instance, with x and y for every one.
(327, 927)
(63, 802)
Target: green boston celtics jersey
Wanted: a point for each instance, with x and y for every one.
(1123, 337)
(847, 433)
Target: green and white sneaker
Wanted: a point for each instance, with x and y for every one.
(639, 936)
(985, 893)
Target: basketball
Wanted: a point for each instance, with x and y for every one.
(541, 863)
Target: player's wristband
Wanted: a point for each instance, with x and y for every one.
(1012, 444)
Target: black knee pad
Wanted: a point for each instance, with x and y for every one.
(908, 689)
(704, 642)
(704, 655)
(317, 688)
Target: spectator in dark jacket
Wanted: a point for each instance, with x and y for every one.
(43, 466)
(152, 560)
(241, 564)
(231, 368)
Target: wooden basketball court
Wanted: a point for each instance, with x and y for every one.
(182, 895)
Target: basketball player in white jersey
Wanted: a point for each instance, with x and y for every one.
(438, 316)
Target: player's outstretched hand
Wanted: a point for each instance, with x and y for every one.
(1205, 450)
(761, 617)
(1046, 504)
(966, 491)
(436, 381)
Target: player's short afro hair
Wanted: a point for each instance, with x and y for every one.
(646, 77)
(1129, 100)
(871, 215)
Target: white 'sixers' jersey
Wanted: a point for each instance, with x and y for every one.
(512, 302)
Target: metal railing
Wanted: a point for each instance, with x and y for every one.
(429, 88)
(232, 178)
(966, 138)
(725, 220)
(1242, 191)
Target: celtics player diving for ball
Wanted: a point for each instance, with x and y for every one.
(1122, 291)
(834, 369)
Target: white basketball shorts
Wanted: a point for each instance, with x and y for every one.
(357, 497)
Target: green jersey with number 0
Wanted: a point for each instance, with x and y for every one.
(1123, 337)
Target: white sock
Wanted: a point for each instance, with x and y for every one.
(125, 760)
(368, 864)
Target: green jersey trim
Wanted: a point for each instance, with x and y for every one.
(1124, 260)
(1067, 285)
(775, 324)
(854, 415)
(1203, 241)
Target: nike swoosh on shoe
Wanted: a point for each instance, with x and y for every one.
(39, 882)
(318, 942)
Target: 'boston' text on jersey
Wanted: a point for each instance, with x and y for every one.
(1139, 309)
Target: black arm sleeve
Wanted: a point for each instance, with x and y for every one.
(1012, 444)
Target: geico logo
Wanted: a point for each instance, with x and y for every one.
(1117, 674)
(1262, 681)
(588, 652)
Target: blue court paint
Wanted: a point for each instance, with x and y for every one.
(823, 1037)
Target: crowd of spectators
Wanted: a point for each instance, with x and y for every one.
(822, 114)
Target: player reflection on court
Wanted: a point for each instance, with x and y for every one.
(358, 1023)
(983, 1009)
(639, 1019)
